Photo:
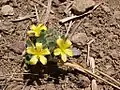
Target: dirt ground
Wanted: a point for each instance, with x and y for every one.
(103, 25)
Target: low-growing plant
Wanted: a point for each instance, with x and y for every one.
(43, 42)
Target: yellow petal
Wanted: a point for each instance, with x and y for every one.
(30, 50)
(60, 42)
(69, 52)
(63, 57)
(43, 27)
(30, 32)
(33, 27)
(39, 46)
(37, 33)
(45, 51)
(57, 52)
(43, 59)
(67, 43)
(33, 60)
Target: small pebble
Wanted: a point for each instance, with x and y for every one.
(76, 52)
(80, 6)
(18, 47)
(105, 8)
(83, 82)
(7, 10)
(117, 15)
(79, 38)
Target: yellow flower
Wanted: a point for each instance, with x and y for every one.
(63, 49)
(37, 29)
(38, 54)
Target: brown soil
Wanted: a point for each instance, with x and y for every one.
(103, 25)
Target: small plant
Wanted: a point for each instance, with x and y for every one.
(41, 43)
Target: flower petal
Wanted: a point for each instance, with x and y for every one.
(57, 52)
(43, 59)
(60, 42)
(45, 51)
(42, 27)
(69, 52)
(37, 33)
(30, 32)
(67, 43)
(33, 60)
(39, 46)
(33, 27)
(64, 57)
(30, 50)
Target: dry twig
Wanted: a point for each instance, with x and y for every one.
(88, 51)
(9, 79)
(38, 20)
(40, 3)
(41, 16)
(73, 17)
(94, 85)
(48, 11)
(18, 74)
(110, 78)
(80, 68)
(12, 79)
(23, 18)
(68, 29)
(92, 66)
(73, 31)
(68, 8)
(25, 85)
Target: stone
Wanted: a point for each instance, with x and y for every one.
(80, 6)
(76, 52)
(86, 25)
(7, 10)
(83, 82)
(50, 87)
(18, 47)
(114, 54)
(117, 14)
(95, 31)
(101, 54)
(79, 38)
(105, 8)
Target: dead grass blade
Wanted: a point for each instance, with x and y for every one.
(94, 85)
(40, 3)
(80, 68)
(73, 31)
(88, 51)
(73, 17)
(118, 83)
(48, 11)
(38, 20)
(23, 18)
(68, 29)
(92, 64)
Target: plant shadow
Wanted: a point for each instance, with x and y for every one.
(49, 72)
